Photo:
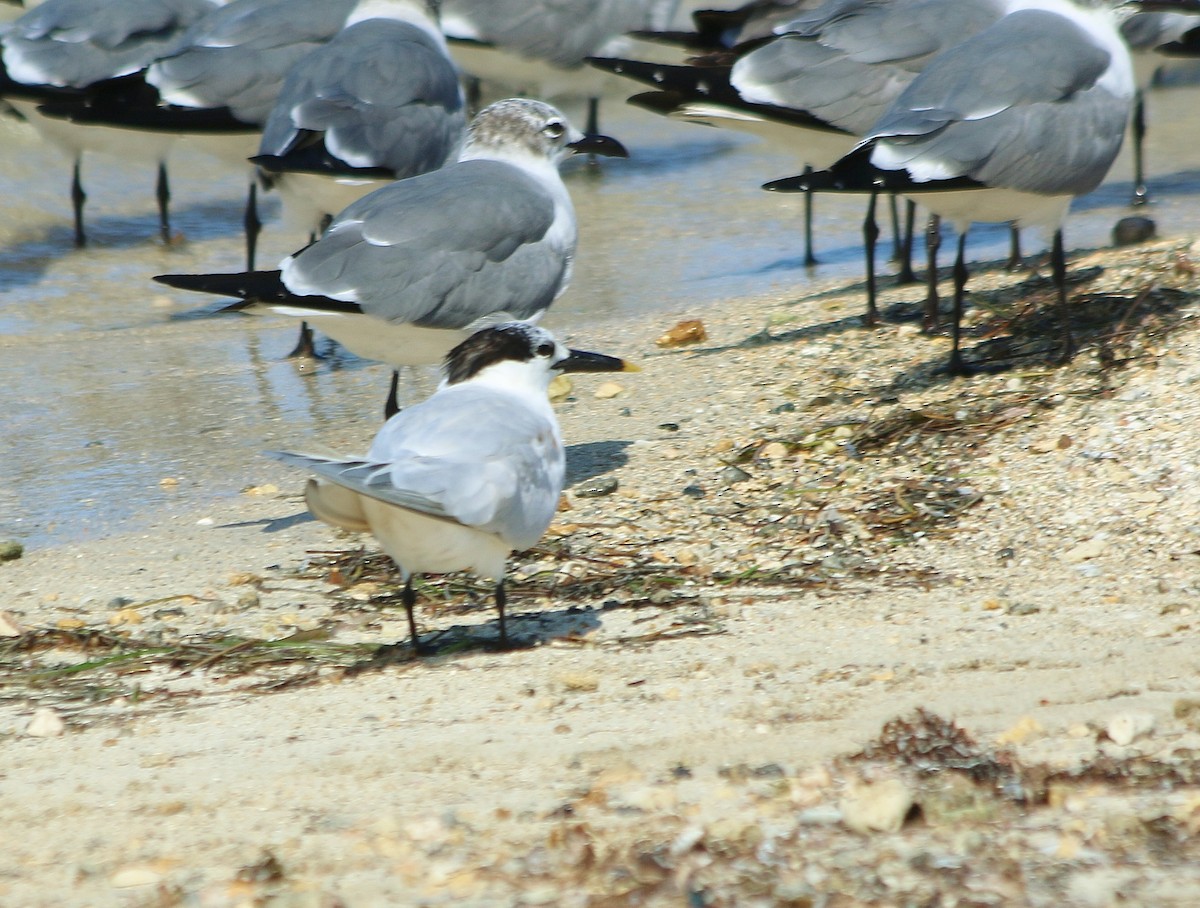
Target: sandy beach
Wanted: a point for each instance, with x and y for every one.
(815, 626)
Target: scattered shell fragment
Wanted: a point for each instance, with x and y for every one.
(608, 391)
(46, 723)
(1090, 548)
(133, 876)
(1125, 728)
(560, 389)
(688, 331)
(9, 626)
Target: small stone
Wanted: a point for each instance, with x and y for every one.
(1125, 728)
(46, 723)
(248, 599)
(688, 331)
(168, 482)
(11, 550)
(608, 391)
(596, 487)
(876, 807)
(1187, 710)
(1023, 608)
(732, 474)
(693, 491)
(583, 682)
(775, 450)
(1132, 230)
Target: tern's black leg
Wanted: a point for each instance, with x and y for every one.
(501, 601)
(933, 242)
(1058, 262)
(809, 259)
(252, 225)
(409, 598)
(78, 197)
(391, 406)
(906, 275)
(956, 366)
(1016, 261)
(1138, 127)
(870, 235)
(162, 191)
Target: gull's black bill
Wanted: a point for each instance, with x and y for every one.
(605, 146)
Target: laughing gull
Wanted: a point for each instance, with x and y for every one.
(405, 272)
(821, 82)
(1008, 126)
(379, 102)
(220, 79)
(466, 477)
(74, 49)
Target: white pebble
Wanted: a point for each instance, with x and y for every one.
(876, 807)
(46, 723)
(1125, 728)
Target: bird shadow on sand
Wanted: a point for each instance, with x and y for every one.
(594, 458)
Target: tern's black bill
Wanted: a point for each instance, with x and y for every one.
(583, 361)
(601, 145)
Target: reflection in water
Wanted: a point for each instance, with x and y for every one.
(108, 391)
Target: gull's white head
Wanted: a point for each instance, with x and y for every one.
(521, 128)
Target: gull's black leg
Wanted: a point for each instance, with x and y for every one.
(162, 192)
(78, 197)
(251, 224)
(956, 366)
(1016, 261)
(809, 258)
(870, 235)
(1138, 128)
(1058, 262)
(933, 242)
(906, 275)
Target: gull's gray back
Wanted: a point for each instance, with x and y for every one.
(1013, 80)
(238, 56)
(77, 42)
(383, 92)
(442, 249)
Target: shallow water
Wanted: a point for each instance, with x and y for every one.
(111, 385)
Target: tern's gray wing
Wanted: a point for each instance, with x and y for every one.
(78, 42)
(1033, 75)
(383, 93)
(442, 249)
(471, 455)
(238, 55)
(561, 32)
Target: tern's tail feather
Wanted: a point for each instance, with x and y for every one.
(335, 505)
